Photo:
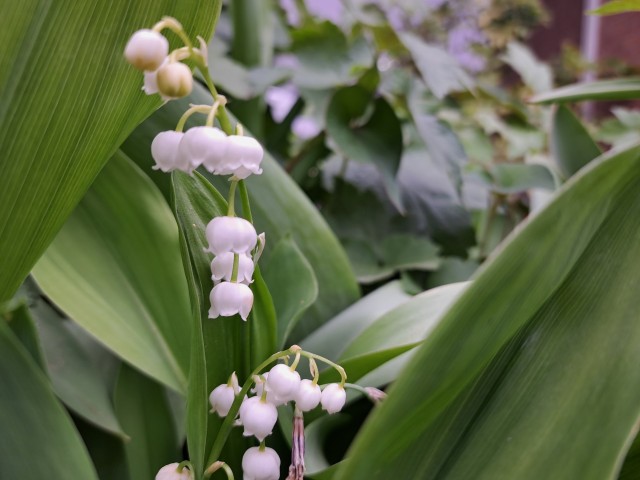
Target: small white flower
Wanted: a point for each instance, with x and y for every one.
(258, 417)
(333, 398)
(222, 267)
(229, 298)
(283, 381)
(146, 49)
(308, 396)
(222, 396)
(243, 157)
(261, 386)
(230, 234)
(174, 80)
(260, 464)
(170, 472)
(204, 146)
(164, 150)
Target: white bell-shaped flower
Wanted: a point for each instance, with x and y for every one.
(174, 80)
(222, 267)
(170, 472)
(164, 150)
(283, 381)
(261, 386)
(230, 298)
(230, 234)
(258, 417)
(222, 396)
(146, 49)
(308, 395)
(204, 146)
(244, 155)
(260, 464)
(333, 398)
(150, 85)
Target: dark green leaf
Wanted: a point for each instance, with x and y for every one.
(571, 144)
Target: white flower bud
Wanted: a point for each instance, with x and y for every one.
(164, 150)
(230, 234)
(228, 298)
(204, 146)
(222, 396)
(260, 464)
(283, 381)
(174, 80)
(170, 472)
(150, 85)
(222, 267)
(258, 417)
(308, 395)
(243, 157)
(333, 398)
(146, 50)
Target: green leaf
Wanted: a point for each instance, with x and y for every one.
(571, 144)
(143, 410)
(438, 69)
(264, 321)
(516, 177)
(115, 269)
(535, 74)
(69, 100)
(631, 467)
(616, 6)
(23, 327)
(617, 89)
(293, 285)
(367, 130)
(523, 360)
(38, 437)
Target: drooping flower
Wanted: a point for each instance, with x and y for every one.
(174, 80)
(222, 397)
(261, 386)
(243, 158)
(146, 50)
(283, 381)
(164, 150)
(230, 234)
(333, 398)
(230, 298)
(222, 267)
(261, 464)
(170, 472)
(258, 417)
(204, 146)
(308, 395)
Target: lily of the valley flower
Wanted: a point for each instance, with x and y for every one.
(308, 395)
(174, 80)
(333, 398)
(170, 472)
(222, 396)
(146, 50)
(244, 155)
(261, 386)
(222, 267)
(230, 234)
(230, 298)
(164, 150)
(283, 381)
(204, 146)
(261, 463)
(258, 417)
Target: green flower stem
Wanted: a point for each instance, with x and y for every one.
(358, 388)
(340, 370)
(227, 424)
(223, 116)
(183, 464)
(244, 197)
(185, 116)
(234, 271)
(232, 198)
(214, 467)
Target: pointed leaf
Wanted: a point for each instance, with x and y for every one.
(571, 144)
(617, 89)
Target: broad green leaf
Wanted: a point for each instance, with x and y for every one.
(115, 269)
(264, 322)
(571, 144)
(616, 6)
(366, 129)
(617, 89)
(516, 177)
(631, 467)
(279, 208)
(69, 100)
(520, 367)
(143, 409)
(293, 285)
(23, 327)
(535, 74)
(106, 451)
(38, 437)
(438, 68)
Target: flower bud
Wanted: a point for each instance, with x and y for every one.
(308, 396)
(164, 150)
(283, 381)
(204, 146)
(258, 417)
(333, 398)
(222, 267)
(229, 298)
(222, 396)
(146, 49)
(170, 472)
(243, 157)
(150, 85)
(230, 234)
(260, 464)
(174, 80)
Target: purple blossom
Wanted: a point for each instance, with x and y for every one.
(305, 127)
(290, 9)
(331, 10)
(281, 99)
